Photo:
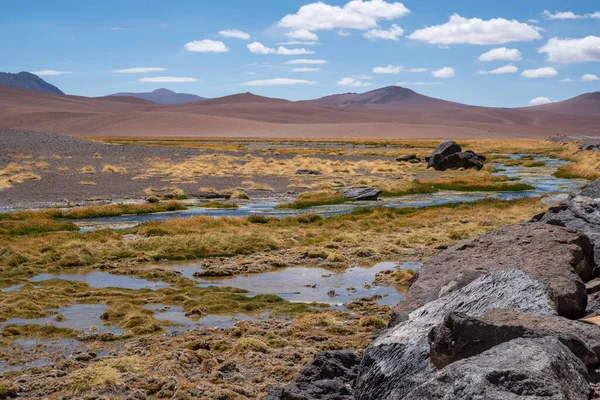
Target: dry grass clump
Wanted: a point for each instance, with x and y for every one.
(475, 183)
(62, 169)
(166, 193)
(372, 321)
(114, 169)
(219, 205)
(584, 164)
(238, 194)
(88, 169)
(260, 187)
(11, 168)
(8, 389)
(247, 344)
(88, 183)
(317, 198)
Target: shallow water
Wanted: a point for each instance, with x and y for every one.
(176, 316)
(101, 279)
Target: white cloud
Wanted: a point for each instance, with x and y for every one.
(417, 70)
(501, 53)
(49, 72)
(305, 69)
(356, 14)
(390, 69)
(589, 78)
(572, 50)
(305, 61)
(168, 79)
(507, 69)
(540, 100)
(353, 82)
(390, 34)
(445, 72)
(206, 46)
(418, 83)
(343, 33)
(302, 34)
(278, 81)
(477, 31)
(139, 70)
(234, 33)
(284, 51)
(259, 48)
(566, 80)
(546, 72)
(569, 15)
(296, 43)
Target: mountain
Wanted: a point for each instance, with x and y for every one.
(162, 96)
(585, 104)
(29, 81)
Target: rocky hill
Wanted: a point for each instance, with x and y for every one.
(29, 81)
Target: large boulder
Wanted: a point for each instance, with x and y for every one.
(592, 190)
(328, 377)
(365, 193)
(443, 150)
(541, 368)
(465, 159)
(398, 361)
(461, 336)
(559, 257)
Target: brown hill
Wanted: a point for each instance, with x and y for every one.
(585, 104)
(161, 96)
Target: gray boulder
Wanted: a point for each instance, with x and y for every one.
(328, 377)
(556, 256)
(308, 172)
(366, 193)
(461, 336)
(443, 150)
(412, 158)
(541, 368)
(398, 361)
(592, 190)
(466, 159)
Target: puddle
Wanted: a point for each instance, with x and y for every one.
(83, 317)
(296, 283)
(100, 279)
(12, 288)
(176, 316)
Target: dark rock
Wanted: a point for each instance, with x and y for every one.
(465, 160)
(461, 336)
(308, 172)
(592, 190)
(581, 214)
(208, 195)
(443, 150)
(328, 377)
(412, 158)
(366, 193)
(556, 256)
(592, 287)
(541, 368)
(398, 360)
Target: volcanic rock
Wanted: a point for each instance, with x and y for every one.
(366, 193)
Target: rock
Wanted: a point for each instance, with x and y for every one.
(556, 200)
(581, 214)
(592, 190)
(592, 287)
(366, 193)
(328, 377)
(152, 199)
(541, 368)
(461, 336)
(209, 195)
(465, 160)
(398, 360)
(412, 158)
(308, 172)
(443, 150)
(556, 256)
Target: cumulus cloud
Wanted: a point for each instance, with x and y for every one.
(501, 53)
(302, 34)
(546, 72)
(139, 70)
(206, 46)
(390, 69)
(507, 69)
(234, 33)
(305, 69)
(168, 79)
(540, 100)
(284, 51)
(49, 72)
(417, 70)
(390, 34)
(572, 50)
(356, 14)
(259, 48)
(589, 78)
(566, 80)
(279, 81)
(418, 83)
(477, 31)
(353, 82)
(569, 15)
(445, 72)
(305, 61)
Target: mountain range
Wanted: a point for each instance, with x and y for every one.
(29, 81)
(162, 96)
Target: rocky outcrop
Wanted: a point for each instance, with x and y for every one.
(365, 193)
(541, 368)
(559, 257)
(398, 361)
(461, 336)
(592, 190)
(449, 155)
(411, 158)
(327, 377)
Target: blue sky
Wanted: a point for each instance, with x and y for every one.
(433, 47)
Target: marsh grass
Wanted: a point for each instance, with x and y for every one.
(219, 205)
(316, 198)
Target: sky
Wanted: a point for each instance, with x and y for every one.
(503, 54)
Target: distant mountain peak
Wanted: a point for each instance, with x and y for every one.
(162, 96)
(28, 81)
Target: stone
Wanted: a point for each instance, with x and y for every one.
(308, 172)
(412, 158)
(592, 190)
(398, 360)
(366, 193)
(328, 377)
(443, 150)
(556, 200)
(209, 195)
(559, 257)
(466, 160)
(461, 336)
(540, 368)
